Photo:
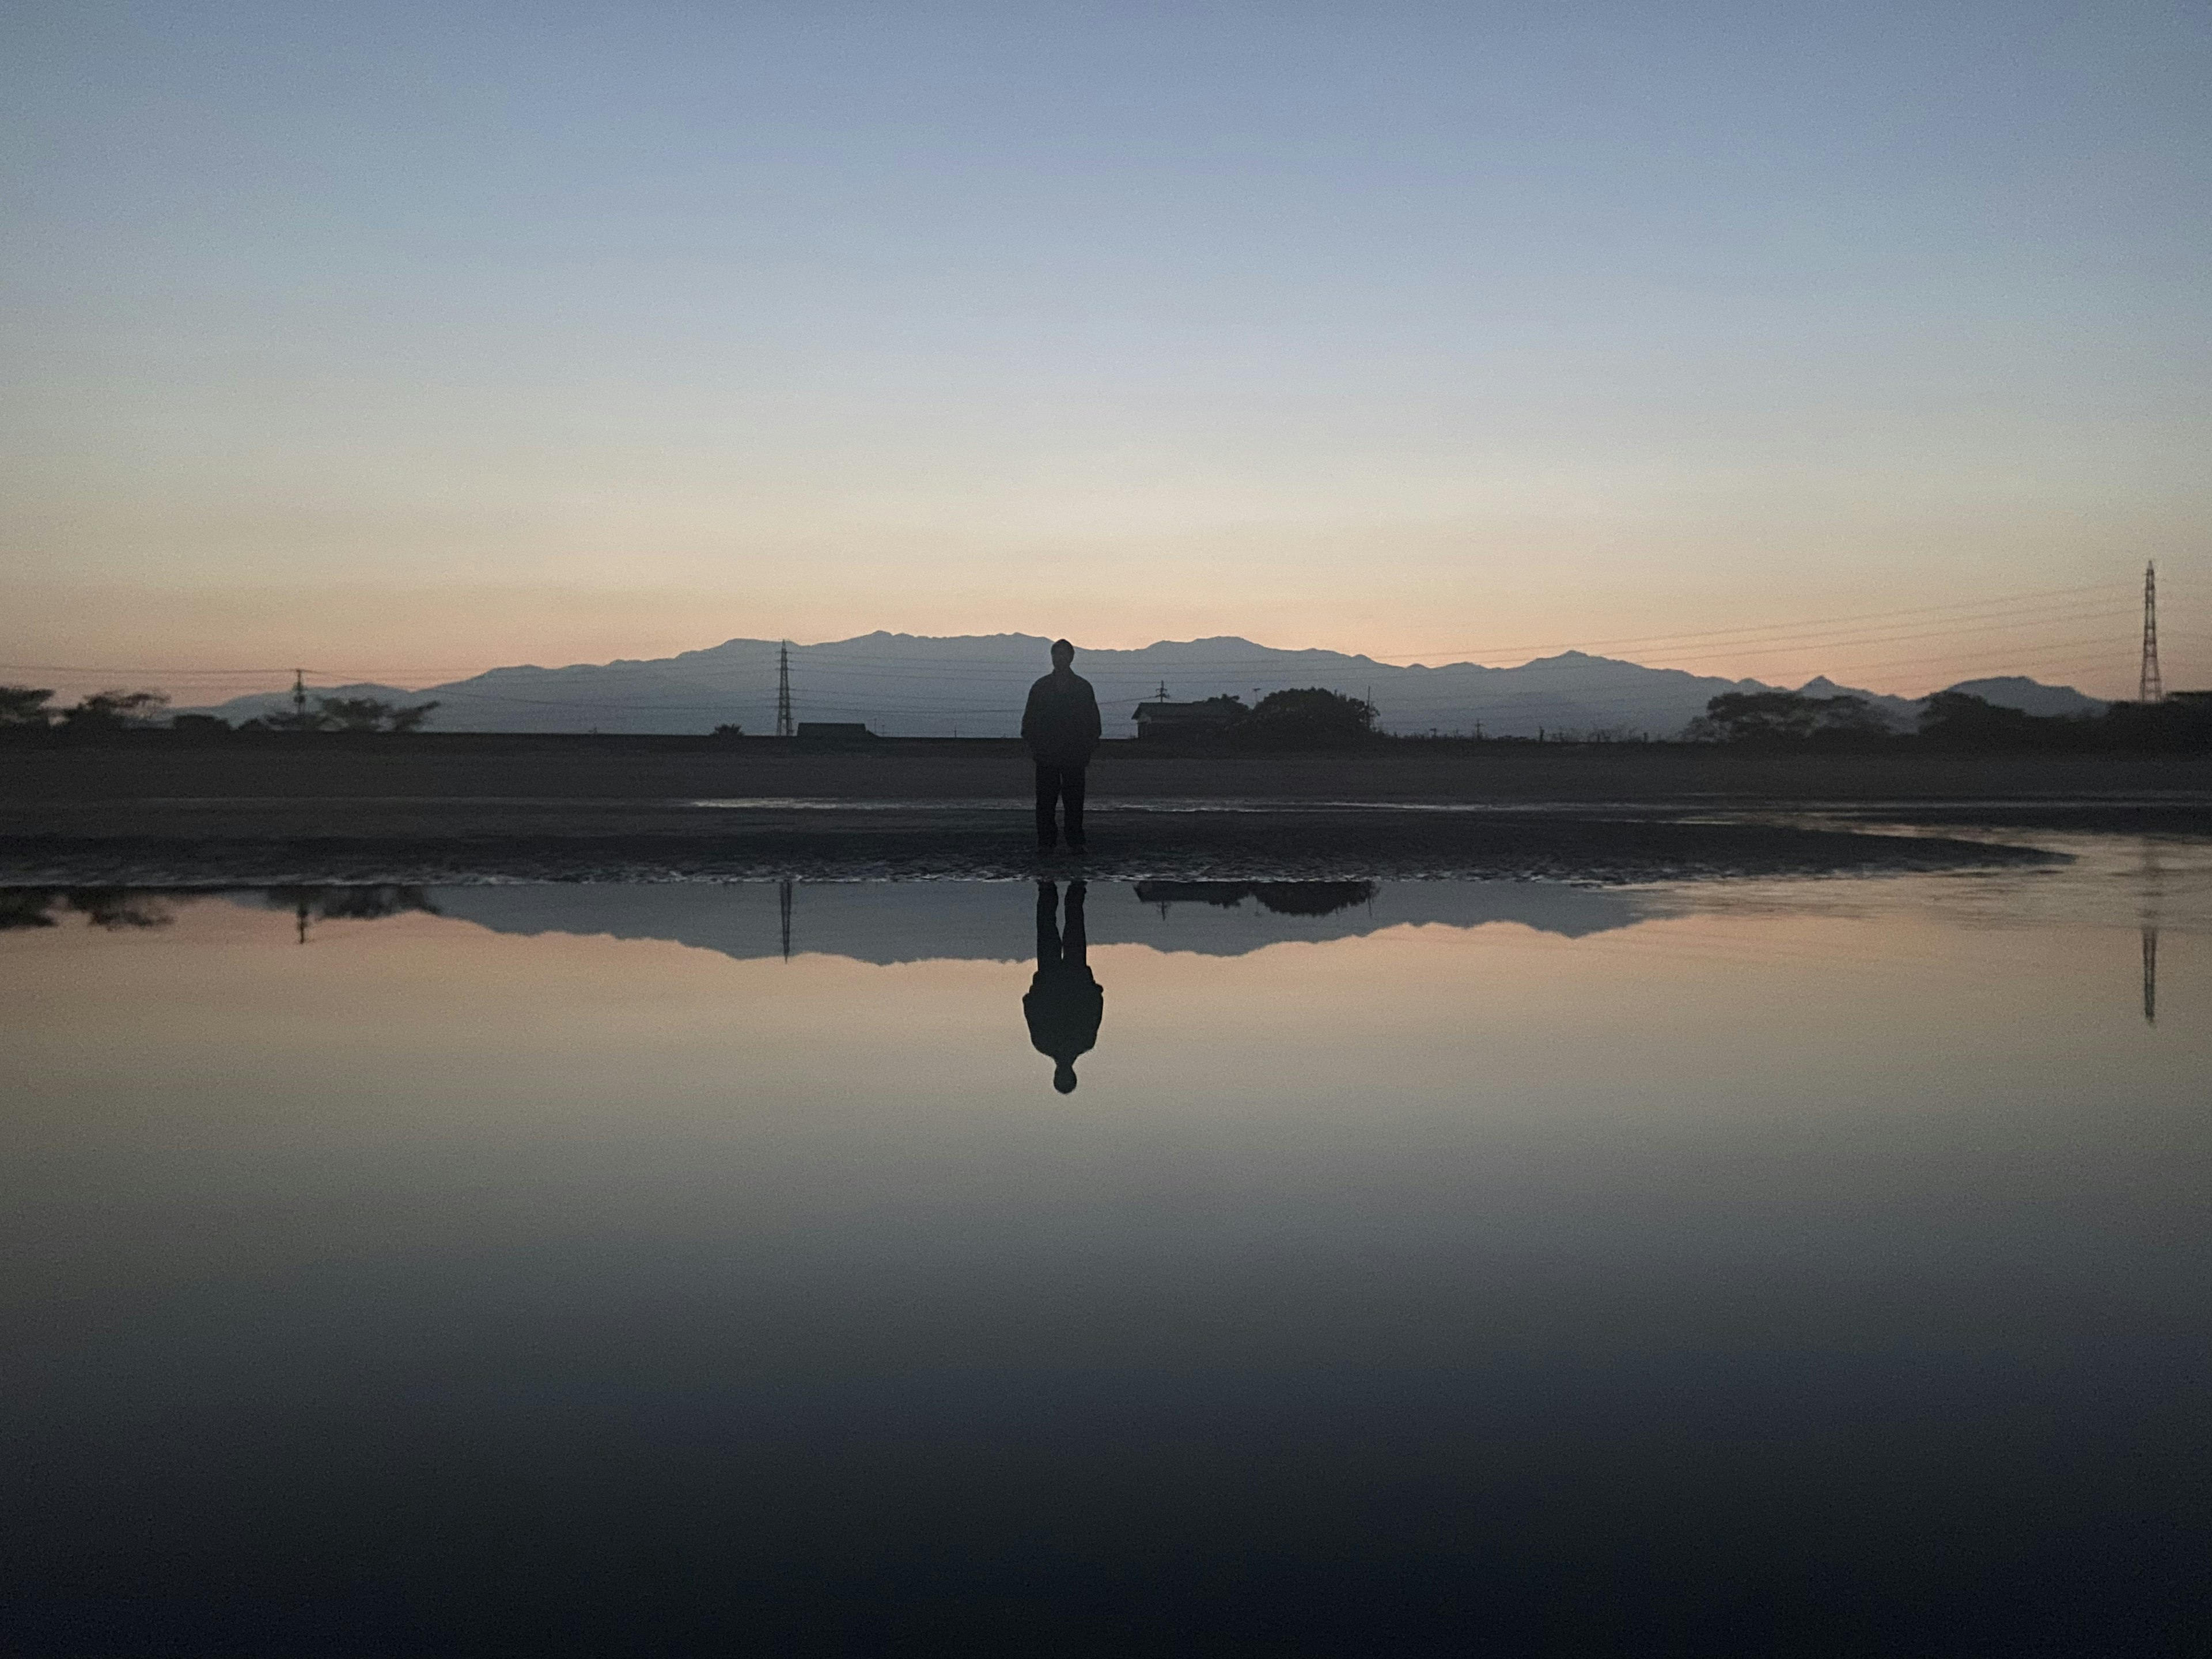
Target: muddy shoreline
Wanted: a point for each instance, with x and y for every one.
(467, 766)
(428, 842)
(1633, 813)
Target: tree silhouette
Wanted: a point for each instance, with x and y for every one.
(1309, 719)
(347, 715)
(369, 714)
(1961, 719)
(119, 908)
(114, 710)
(24, 705)
(349, 904)
(26, 907)
(1776, 717)
(1313, 898)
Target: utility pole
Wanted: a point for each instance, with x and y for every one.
(2150, 688)
(784, 725)
(783, 907)
(2150, 973)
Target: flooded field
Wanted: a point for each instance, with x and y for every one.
(1806, 1265)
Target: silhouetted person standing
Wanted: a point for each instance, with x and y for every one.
(1061, 726)
(1065, 1004)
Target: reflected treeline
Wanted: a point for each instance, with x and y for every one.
(1282, 898)
(309, 905)
(113, 908)
(349, 904)
(122, 908)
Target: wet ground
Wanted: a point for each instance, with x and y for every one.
(203, 841)
(1773, 1262)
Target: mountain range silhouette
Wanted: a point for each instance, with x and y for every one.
(917, 685)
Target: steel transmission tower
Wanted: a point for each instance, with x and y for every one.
(2150, 689)
(784, 727)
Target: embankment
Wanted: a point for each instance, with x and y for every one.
(441, 810)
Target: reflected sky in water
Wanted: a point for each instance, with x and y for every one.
(1820, 1264)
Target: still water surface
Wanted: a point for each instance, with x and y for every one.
(1805, 1266)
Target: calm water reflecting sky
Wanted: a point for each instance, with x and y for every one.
(1821, 1264)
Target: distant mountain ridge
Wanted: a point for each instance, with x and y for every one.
(972, 685)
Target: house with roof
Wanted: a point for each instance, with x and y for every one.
(1159, 717)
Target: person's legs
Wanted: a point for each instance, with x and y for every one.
(1047, 793)
(1048, 925)
(1070, 791)
(1073, 942)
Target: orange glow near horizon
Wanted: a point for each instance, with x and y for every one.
(205, 644)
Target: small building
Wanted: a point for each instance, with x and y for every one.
(1161, 718)
(836, 732)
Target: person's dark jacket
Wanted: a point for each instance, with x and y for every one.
(1060, 724)
(1065, 1007)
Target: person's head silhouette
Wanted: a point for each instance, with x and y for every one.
(1063, 653)
(1063, 1078)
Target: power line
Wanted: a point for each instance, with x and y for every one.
(181, 673)
(2032, 595)
(853, 659)
(1750, 651)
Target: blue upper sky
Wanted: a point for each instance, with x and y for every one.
(419, 338)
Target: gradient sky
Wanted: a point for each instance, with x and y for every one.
(404, 340)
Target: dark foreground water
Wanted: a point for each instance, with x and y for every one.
(1785, 1267)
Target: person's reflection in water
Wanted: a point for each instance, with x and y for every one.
(1065, 1004)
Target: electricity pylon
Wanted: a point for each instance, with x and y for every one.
(784, 727)
(2150, 688)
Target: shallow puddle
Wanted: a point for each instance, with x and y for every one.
(672, 1268)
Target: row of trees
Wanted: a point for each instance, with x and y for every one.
(121, 711)
(347, 715)
(1310, 717)
(117, 908)
(1306, 719)
(1951, 720)
(1316, 719)
(103, 711)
